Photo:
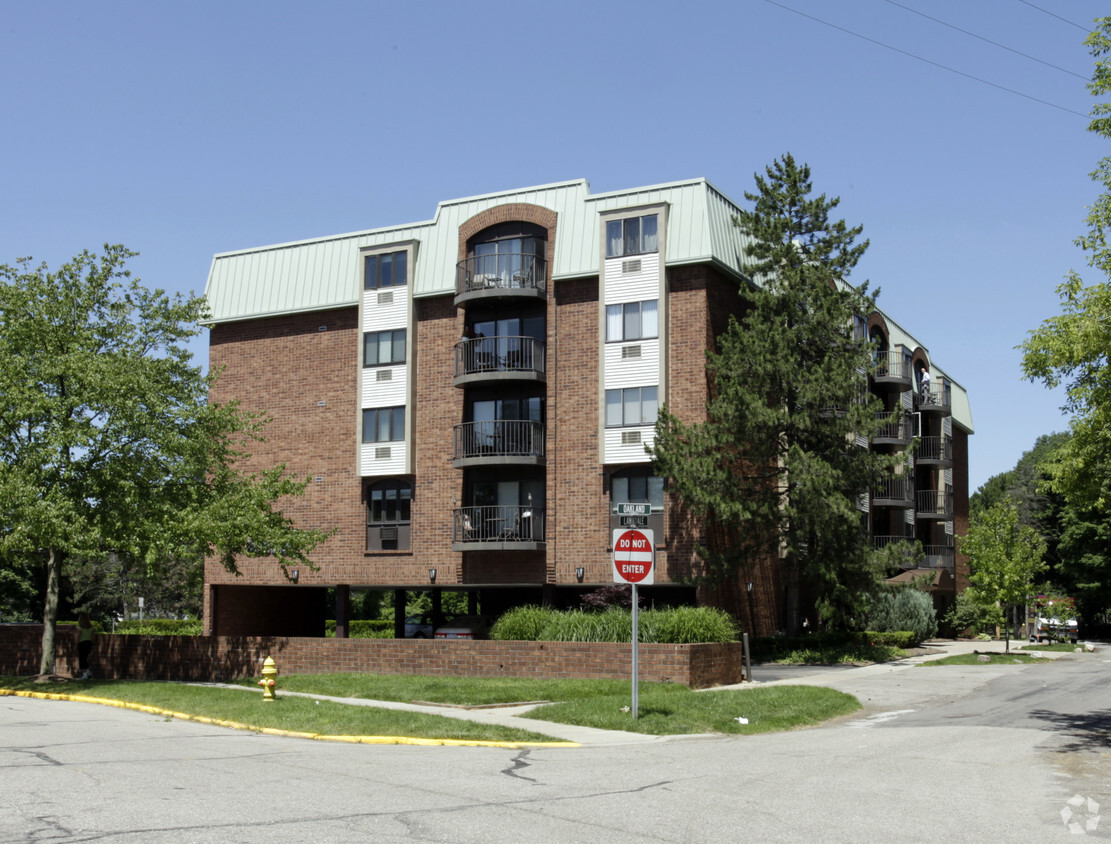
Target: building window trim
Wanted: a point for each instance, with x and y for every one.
(629, 321)
(386, 270)
(637, 406)
(383, 424)
(638, 235)
(394, 346)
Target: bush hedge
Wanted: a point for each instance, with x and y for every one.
(772, 648)
(160, 627)
(375, 628)
(675, 625)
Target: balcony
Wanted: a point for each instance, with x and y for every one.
(499, 442)
(892, 370)
(897, 432)
(934, 505)
(504, 275)
(936, 398)
(940, 557)
(894, 492)
(881, 542)
(497, 528)
(934, 451)
(499, 359)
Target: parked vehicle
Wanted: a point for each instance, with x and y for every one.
(463, 627)
(1053, 620)
(418, 626)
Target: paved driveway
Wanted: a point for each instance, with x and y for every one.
(957, 754)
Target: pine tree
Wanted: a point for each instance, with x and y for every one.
(780, 466)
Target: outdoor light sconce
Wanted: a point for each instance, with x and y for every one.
(432, 575)
(294, 574)
(748, 586)
(579, 572)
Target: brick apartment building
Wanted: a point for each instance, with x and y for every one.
(471, 397)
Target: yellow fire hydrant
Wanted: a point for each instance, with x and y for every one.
(269, 679)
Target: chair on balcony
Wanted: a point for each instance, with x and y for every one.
(512, 528)
(468, 529)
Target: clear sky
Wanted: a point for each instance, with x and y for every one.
(183, 130)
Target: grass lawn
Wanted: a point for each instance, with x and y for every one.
(973, 659)
(296, 714)
(1063, 647)
(665, 709)
(676, 710)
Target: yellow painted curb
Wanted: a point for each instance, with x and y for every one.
(273, 731)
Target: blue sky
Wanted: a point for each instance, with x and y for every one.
(182, 130)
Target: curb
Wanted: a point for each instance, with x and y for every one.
(273, 731)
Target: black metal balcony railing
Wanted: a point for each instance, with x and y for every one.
(499, 438)
(934, 503)
(901, 429)
(940, 557)
(498, 523)
(935, 449)
(504, 271)
(881, 542)
(894, 492)
(893, 365)
(499, 354)
(936, 397)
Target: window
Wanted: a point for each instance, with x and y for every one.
(631, 406)
(631, 236)
(383, 424)
(389, 270)
(381, 347)
(637, 486)
(632, 321)
(388, 508)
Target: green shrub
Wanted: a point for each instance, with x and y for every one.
(903, 609)
(682, 625)
(161, 627)
(969, 612)
(674, 625)
(522, 624)
(375, 628)
(828, 647)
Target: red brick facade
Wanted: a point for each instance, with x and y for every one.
(195, 658)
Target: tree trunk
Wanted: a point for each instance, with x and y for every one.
(50, 610)
(791, 601)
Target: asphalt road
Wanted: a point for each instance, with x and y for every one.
(980, 753)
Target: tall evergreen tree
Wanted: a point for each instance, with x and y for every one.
(780, 466)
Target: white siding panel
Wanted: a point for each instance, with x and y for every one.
(390, 393)
(633, 287)
(633, 372)
(615, 452)
(371, 466)
(381, 317)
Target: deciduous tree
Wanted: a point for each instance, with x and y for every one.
(1004, 556)
(108, 444)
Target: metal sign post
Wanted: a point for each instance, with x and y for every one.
(636, 655)
(634, 557)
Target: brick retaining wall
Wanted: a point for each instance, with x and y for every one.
(230, 657)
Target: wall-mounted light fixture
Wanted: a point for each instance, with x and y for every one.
(579, 572)
(748, 586)
(432, 575)
(294, 574)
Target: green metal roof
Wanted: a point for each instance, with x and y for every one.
(324, 273)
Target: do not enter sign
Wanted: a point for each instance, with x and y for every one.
(633, 555)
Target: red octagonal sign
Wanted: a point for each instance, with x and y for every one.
(633, 556)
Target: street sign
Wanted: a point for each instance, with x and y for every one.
(634, 509)
(634, 521)
(633, 556)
